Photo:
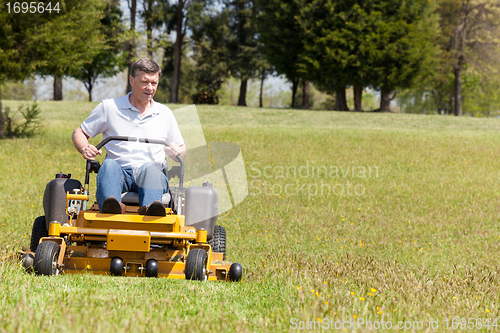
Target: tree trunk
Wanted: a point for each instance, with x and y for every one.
(150, 39)
(295, 85)
(174, 88)
(242, 100)
(132, 5)
(458, 90)
(305, 94)
(129, 87)
(385, 101)
(58, 93)
(358, 97)
(263, 77)
(2, 132)
(340, 100)
(148, 10)
(89, 89)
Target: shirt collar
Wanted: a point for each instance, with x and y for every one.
(127, 105)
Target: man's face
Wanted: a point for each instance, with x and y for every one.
(144, 86)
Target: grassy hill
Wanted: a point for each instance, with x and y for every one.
(350, 217)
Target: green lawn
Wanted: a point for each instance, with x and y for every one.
(350, 216)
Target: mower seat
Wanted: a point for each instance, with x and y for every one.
(132, 198)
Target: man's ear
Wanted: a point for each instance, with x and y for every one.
(131, 80)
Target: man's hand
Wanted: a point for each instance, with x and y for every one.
(81, 142)
(174, 149)
(90, 152)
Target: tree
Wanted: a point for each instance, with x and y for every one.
(379, 43)
(242, 46)
(280, 32)
(405, 43)
(180, 32)
(179, 17)
(55, 40)
(131, 37)
(210, 36)
(75, 39)
(150, 14)
(110, 61)
(470, 28)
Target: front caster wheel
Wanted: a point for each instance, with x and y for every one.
(235, 272)
(196, 265)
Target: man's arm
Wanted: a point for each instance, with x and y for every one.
(81, 142)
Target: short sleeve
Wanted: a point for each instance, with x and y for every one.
(95, 124)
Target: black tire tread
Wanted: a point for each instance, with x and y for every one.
(218, 242)
(43, 257)
(196, 260)
(39, 230)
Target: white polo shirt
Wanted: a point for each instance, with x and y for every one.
(117, 116)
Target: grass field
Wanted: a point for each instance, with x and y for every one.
(350, 217)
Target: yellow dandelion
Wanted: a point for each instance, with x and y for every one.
(374, 290)
(353, 293)
(361, 299)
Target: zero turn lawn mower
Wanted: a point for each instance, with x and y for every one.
(73, 236)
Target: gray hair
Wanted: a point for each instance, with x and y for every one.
(146, 65)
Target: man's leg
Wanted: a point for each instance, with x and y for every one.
(151, 184)
(111, 181)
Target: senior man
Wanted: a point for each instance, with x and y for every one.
(132, 166)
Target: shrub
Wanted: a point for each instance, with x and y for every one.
(27, 127)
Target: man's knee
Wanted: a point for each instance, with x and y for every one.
(150, 177)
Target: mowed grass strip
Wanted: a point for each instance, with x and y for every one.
(349, 216)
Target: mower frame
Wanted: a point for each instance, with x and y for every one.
(129, 244)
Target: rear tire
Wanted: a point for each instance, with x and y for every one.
(39, 230)
(218, 242)
(196, 265)
(46, 257)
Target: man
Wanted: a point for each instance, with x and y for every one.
(132, 166)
